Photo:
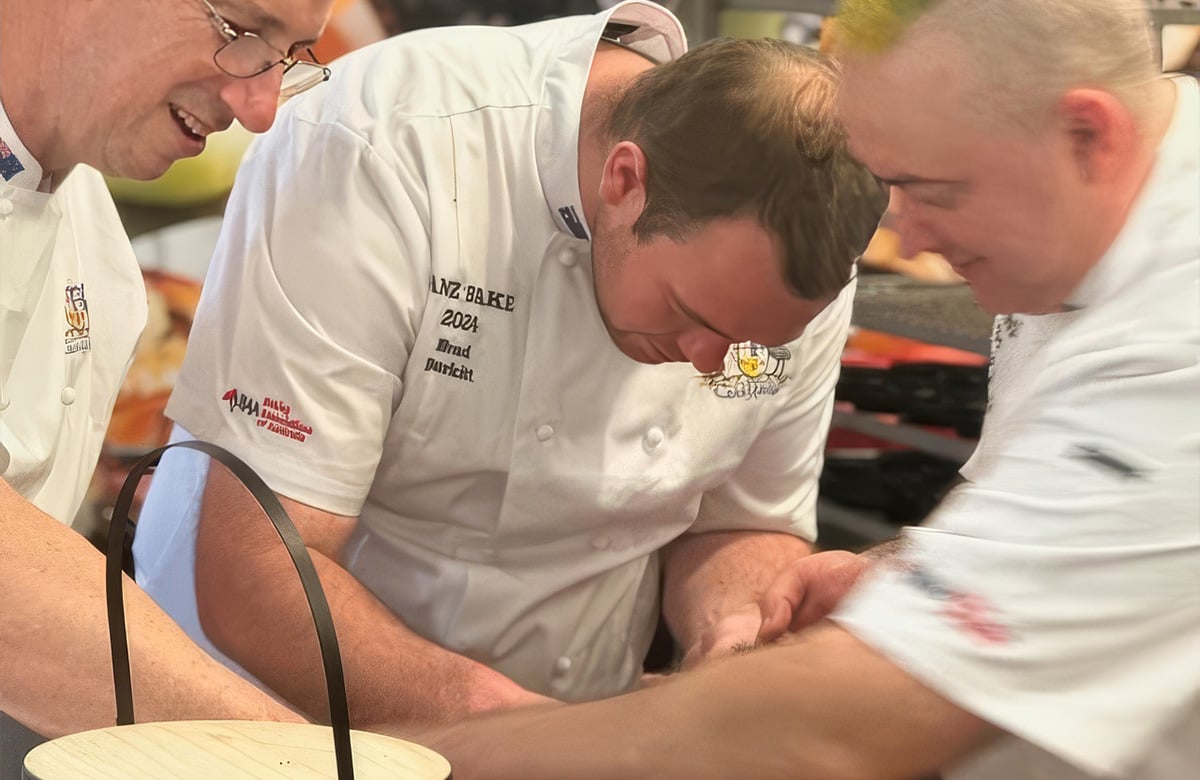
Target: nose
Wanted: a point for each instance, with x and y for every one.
(704, 349)
(904, 217)
(254, 100)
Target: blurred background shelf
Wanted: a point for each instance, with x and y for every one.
(912, 436)
(936, 314)
(846, 528)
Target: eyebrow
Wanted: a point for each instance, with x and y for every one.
(905, 180)
(261, 21)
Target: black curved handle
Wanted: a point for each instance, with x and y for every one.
(331, 657)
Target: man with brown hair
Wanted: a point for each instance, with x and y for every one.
(521, 325)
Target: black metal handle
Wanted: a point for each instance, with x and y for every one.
(331, 657)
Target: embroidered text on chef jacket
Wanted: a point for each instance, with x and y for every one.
(400, 324)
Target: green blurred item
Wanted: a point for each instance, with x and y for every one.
(750, 24)
(192, 180)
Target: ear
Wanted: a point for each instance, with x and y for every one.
(623, 179)
(1101, 131)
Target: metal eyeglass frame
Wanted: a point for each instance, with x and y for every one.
(316, 73)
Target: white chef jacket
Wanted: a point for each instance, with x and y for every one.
(400, 324)
(72, 305)
(1057, 593)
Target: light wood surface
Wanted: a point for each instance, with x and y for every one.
(230, 750)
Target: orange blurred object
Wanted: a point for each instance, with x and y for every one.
(884, 254)
(352, 25)
(875, 349)
(137, 423)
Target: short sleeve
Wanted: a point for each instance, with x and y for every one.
(309, 312)
(1057, 593)
(775, 486)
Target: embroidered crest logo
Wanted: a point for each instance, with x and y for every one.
(750, 371)
(77, 335)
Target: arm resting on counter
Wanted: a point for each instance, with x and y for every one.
(56, 676)
(252, 607)
(818, 705)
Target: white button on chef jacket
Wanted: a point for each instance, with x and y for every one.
(463, 396)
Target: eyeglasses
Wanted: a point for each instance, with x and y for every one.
(245, 55)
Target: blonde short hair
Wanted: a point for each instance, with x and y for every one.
(1026, 53)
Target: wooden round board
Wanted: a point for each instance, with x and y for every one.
(231, 750)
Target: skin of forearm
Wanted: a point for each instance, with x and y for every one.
(818, 706)
(712, 584)
(253, 607)
(57, 677)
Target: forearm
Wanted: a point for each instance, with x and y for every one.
(253, 608)
(713, 583)
(823, 706)
(393, 676)
(57, 676)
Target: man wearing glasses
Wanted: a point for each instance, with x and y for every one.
(123, 87)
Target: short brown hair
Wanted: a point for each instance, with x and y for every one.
(748, 127)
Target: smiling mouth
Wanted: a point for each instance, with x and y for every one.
(190, 125)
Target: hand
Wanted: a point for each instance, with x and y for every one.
(807, 591)
(738, 630)
(650, 679)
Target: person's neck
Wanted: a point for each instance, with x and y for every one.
(613, 69)
(33, 72)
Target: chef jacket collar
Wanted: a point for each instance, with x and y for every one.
(647, 28)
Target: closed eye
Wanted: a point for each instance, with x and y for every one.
(938, 195)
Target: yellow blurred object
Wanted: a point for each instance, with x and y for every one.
(795, 27)
(750, 24)
(192, 180)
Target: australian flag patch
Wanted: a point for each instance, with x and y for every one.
(10, 166)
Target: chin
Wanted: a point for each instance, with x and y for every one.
(993, 305)
(139, 170)
(639, 355)
(630, 349)
(1010, 303)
